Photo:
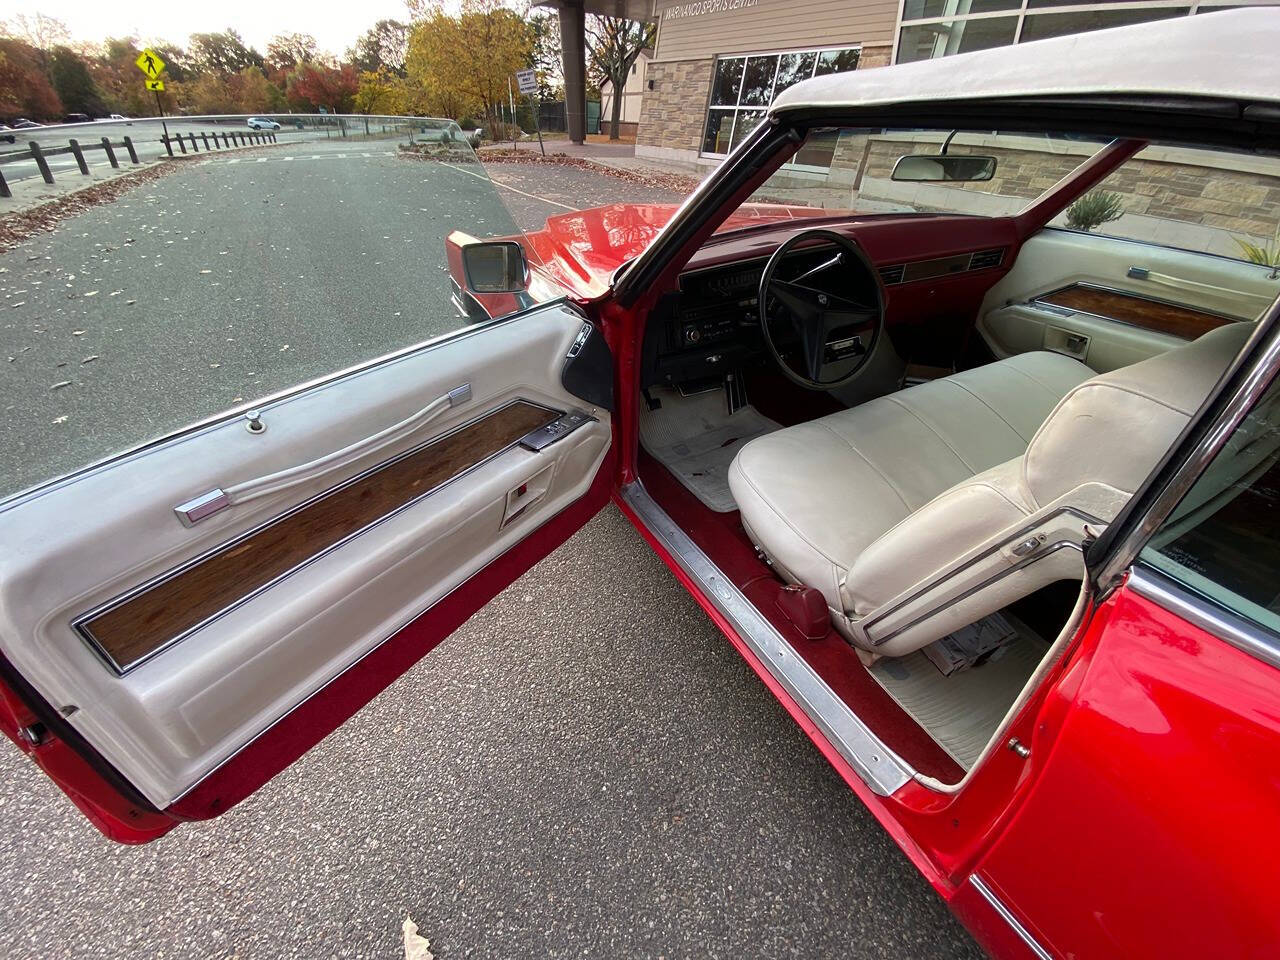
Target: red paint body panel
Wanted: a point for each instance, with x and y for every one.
(1150, 830)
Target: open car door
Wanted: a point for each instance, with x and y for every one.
(180, 623)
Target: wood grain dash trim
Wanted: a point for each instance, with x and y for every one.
(149, 618)
(1155, 315)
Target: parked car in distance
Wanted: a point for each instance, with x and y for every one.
(77, 118)
(262, 123)
(120, 116)
(6, 133)
(22, 123)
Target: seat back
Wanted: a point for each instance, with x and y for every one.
(1011, 530)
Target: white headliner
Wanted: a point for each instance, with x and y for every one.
(1230, 54)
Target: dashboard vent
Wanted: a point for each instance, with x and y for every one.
(986, 259)
(893, 274)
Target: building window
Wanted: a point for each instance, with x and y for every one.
(743, 87)
(938, 28)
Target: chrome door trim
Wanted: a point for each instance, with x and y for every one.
(1007, 916)
(879, 767)
(1175, 597)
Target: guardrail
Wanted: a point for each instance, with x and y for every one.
(229, 140)
(75, 148)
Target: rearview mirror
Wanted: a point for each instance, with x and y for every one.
(938, 167)
(494, 266)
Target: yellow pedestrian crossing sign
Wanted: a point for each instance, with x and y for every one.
(149, 62)
(155, 84)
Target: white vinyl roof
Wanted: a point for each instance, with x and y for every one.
(1232, 54)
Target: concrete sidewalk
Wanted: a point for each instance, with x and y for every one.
(616, 156)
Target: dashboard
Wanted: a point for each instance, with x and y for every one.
(933, 273)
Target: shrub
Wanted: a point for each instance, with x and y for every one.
(1094, 209)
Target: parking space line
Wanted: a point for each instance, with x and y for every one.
(499, 183)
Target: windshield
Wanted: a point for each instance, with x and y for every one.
(851, 170)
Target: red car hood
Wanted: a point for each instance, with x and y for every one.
(579, 251)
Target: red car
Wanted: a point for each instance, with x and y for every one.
(949, 396)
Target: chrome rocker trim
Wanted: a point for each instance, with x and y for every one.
(1007, 916)
(879, 767)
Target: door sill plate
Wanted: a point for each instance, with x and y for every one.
(879, 767)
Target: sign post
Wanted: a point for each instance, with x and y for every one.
(152, 65)
(511, 100)
(527, 81)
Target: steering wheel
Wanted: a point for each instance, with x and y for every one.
(826, 337)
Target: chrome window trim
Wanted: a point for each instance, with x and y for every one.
(879, 767)
(1261, 370)
(80, 624)
(7, 501)
(1007, 916)
(1200, 611)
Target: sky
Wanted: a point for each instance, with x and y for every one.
(334, 25)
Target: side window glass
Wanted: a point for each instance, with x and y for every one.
(1223, 540)
(1209, 201)
(245, 270)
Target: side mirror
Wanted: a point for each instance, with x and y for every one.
(934, 167)
(494, 266)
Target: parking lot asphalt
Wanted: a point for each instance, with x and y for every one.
(586, 769)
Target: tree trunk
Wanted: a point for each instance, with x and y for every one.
(616, 112)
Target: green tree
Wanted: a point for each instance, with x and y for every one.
(224, 52)
(545, 29)
(73, 82)
(382, 48)
(287, 50)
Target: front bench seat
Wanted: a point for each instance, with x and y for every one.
(915, 513)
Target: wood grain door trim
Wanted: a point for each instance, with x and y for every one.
(1159, 316)
(151, 617)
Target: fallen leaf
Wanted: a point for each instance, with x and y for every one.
(60, 384)
(415, 947)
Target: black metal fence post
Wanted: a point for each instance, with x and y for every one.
(194, 148)
(181, 144)
(38, 155)
(133, 154)
(168, 144)
(4, 187)
(111, 154)
(205, 137)
(79, 155)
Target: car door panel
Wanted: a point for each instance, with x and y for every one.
(1150, 765)
(1110, 302)
(169, 648)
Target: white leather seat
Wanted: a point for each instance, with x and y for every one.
(912, 512)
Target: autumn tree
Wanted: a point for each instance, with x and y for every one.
(380, 92)
(25, 89)
(613, 44)
(287, 50)
(382, 48)
(315, 85)
(467, 61)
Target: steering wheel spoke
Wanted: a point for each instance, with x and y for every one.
(819, 318)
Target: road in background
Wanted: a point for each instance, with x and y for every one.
(146, 135)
